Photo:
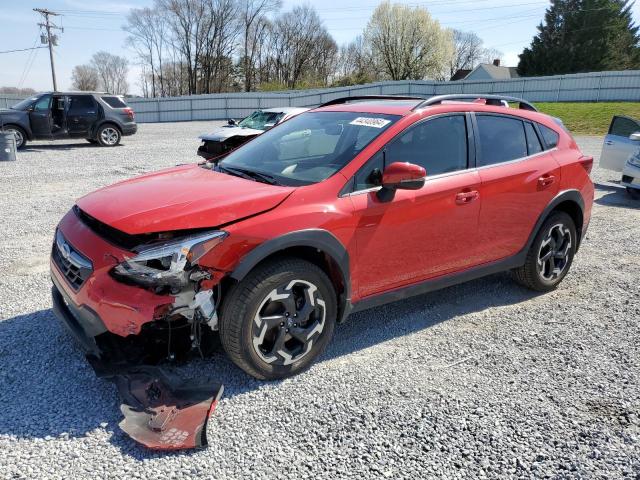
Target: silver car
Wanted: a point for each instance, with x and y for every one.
(621, 152)
(234, 134)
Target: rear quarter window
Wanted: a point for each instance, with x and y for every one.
(550, 136)
(114, 102)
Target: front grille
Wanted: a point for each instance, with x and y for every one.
(75, 267)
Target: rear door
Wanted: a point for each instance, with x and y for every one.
(618, 147)
(418, 234)
(81, 115)
(40, 117)
(519, 178)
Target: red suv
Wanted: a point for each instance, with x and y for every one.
(360, 202)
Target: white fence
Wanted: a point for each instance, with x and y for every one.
(583, 87)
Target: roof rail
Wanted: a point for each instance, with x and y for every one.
(338, 101)
(523, 104)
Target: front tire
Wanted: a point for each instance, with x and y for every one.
(278, 319)
(551, 254)
(109, 135)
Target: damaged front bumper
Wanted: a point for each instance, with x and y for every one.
(125, 331)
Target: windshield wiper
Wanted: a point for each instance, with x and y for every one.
(249, 174)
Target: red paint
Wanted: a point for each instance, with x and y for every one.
(452, 223)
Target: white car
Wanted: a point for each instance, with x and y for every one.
(621, 152)
(234, 134)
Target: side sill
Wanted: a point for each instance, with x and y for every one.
(438, 283)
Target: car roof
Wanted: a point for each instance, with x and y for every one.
(392, 107)
(80, 93)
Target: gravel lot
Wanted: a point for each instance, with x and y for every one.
(480, 380)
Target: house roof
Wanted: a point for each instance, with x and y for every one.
(498, 73)
(460, 74)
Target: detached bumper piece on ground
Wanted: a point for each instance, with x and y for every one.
(161, 410)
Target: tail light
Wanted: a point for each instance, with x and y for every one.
(587, 164)
(129, 112)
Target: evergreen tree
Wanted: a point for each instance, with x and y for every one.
(583, 36)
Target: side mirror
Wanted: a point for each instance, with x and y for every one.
(231, 122)
(401, 176)
(635, 137)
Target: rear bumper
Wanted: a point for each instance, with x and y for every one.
(129, 129)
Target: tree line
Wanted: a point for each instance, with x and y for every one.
(210, 46)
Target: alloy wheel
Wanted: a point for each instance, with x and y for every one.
(555, 249)
(109, 136)
(288, 322)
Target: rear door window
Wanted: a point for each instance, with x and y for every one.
(114, 102)
(623, 127)
(533, 142)
(502, 139)
(82, 104)
(439, 145)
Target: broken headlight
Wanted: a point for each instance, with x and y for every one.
(168, 264)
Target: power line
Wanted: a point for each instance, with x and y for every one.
(21, 50)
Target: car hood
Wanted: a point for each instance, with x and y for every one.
(224, 133)
(180, 198)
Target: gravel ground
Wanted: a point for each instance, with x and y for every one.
(480, 380)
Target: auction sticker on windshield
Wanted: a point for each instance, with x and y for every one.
(370, 122)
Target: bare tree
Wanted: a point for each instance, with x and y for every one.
(407, 43)
(467, 51)
(112, 72)
(355, 64)
(298, 41)
(489, 55)
(147, 30)
(254, 23)
(84, 77)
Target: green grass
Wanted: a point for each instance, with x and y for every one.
(589, 118)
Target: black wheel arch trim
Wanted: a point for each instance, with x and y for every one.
(566, 195)
(101, 123)
(319, 239)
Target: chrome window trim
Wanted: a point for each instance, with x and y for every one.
(458, 172)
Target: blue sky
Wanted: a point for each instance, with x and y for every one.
(507, 26)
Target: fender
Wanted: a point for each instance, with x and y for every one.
(94, 128)
(567, 195)
(315, 238)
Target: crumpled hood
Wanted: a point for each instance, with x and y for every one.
(223, 133)
(180, 198)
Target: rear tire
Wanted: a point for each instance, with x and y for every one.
(550, 255)
(278, 319)
(108, 135)
(633, 193)
(19, 134)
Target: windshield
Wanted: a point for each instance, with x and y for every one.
(24, 104)
(259, 119)
(309, 148)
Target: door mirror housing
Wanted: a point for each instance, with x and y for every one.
(400, 176)
(231, 122)
(403, 176)
(635, 137)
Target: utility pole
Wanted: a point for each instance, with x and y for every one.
(48, 26)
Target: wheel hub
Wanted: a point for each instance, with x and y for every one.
(288, 322)
(555, 249)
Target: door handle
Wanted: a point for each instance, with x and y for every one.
(464, 198)
(608, 142)
(546, 180)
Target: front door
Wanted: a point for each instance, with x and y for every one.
(424, 233)
(618, 147)
(81, 115)
(40, 117)
(519, 179)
